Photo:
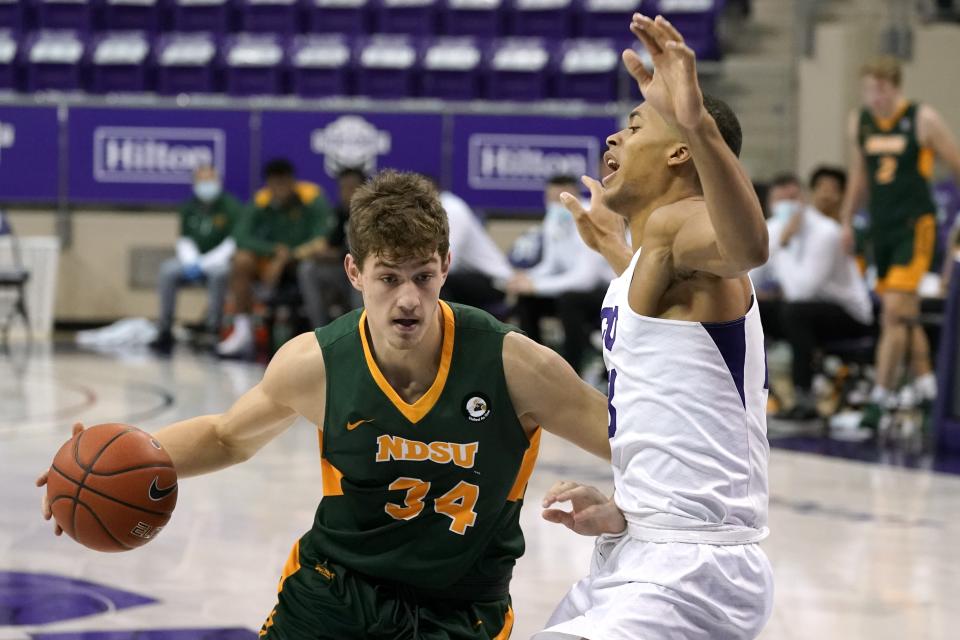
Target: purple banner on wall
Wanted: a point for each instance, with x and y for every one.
(503, 162)
(29, 157)
(148, 155)
(321, 144)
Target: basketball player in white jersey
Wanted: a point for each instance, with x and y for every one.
(678, 558)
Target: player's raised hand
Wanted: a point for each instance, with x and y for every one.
(672, 89)
(599, 223)
(42, 480)
(592, 512)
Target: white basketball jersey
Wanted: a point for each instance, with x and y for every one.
(687, 423)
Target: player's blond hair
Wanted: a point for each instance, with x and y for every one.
(397, 216)
(883, 68)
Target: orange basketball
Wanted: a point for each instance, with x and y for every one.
(112, 487)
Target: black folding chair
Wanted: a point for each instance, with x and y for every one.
(13, 277)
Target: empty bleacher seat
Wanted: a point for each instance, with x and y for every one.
(515, 69)
(385, 66)
(64, 14)
(11, 14)
(545, 18)
(412, 17)
(450, 68)
(337, 16)
(8, 57)
(52, 60)
(269, 16)
(254, 64)
(695, 19)
(320, 65)
(605, 18)
(129, 15)
(117, 62)
(587, 69)
(483, 18)
(184, 63)
(201, 15)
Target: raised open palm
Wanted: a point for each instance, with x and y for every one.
(672, 89)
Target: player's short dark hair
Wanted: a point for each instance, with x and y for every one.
(563, 180)
(826, 171)
(352, 172)
(279, 168)
(398, 216)
(785, 180)
(727, 122)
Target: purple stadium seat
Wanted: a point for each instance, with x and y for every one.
(185, 63)
(544, 18)
(412, 17)
(605, 18)
(269, 16)
(201, 15)
(76, 15)
(129, 15)
(385, 66)
(516, 69)
(587, 69)
(8, 58)
(52, 60)
(483, 18)
(11, 14)
(450, 68)
(254, 64)
(117, 61)
(695, 19)
(337, 16)
(320, 65)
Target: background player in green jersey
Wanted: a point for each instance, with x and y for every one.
(893, 145)
(428, 417)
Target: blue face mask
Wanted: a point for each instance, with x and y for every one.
(784, 209)
(558, 211)
(207, 190)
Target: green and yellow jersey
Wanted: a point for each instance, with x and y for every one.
(425, 495)
(899, 169)
(209, 224)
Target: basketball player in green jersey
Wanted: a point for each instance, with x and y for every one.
(428, 418)
(893, 146)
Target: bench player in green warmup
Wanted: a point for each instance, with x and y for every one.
(428, 419)
(893, 146)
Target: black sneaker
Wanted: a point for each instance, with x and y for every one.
(163, 344)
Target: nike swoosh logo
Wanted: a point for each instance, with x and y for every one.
(157, 494)
(353, 425)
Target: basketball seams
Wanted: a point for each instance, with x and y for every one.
(93, 513)
(128, 469)
(96, 457)
(81, 486)
(86, 472)
(126, 504)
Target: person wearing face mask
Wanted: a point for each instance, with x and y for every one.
(203, 253)
(824, 297)
(277, 240)
(569, 281)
